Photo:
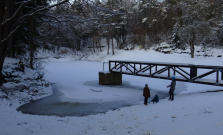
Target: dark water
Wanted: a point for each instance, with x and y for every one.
(52, 105)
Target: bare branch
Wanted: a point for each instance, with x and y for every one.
(10, 34)
(42, 9)
(15, 14)
(45, 8)
(24, 16)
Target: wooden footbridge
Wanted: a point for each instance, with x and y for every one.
(203, 74)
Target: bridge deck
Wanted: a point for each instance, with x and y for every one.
(203, 74)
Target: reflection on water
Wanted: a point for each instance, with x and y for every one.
(52, 105)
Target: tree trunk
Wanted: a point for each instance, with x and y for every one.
(4, 31)
(31, 55)
(118, 42)
(108, 43)
(2, 58)
(31, 43)
(192, 49)
(12, 51)
(10, 27)
(78, 48)
(99, 44)
(113, 51)
(1, 48)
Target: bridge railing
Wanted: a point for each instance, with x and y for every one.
(203, 74)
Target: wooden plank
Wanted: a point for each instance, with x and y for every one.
(132, 66)
(115, 67)
(203, 75)
(181, 73)
(128, 68)
(160, 71)
(142, 69)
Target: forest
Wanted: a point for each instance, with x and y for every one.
(28, 26)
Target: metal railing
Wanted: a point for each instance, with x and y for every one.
(203, 74)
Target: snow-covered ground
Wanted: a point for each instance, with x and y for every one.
(192, 112)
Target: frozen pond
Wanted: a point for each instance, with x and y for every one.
(58, 105)
(78, 93)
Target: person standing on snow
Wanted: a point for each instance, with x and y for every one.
(146, 94)
(172, 88)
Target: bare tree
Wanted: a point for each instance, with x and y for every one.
(10, 22)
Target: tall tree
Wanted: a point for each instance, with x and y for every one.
(11, 19)
(198, 25)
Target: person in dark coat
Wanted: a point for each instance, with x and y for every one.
(155, 99)
(172, 88)
(146, 94)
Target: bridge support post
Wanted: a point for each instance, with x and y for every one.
(221, 74)
(193, 72)
(107, 78)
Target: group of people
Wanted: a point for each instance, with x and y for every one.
(146, 92)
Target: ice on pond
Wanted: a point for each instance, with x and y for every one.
(59, 105)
